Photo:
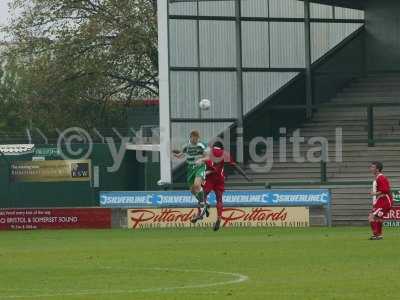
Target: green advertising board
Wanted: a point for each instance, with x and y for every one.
(392, 219)
(391, 223)
(46, 153)
(396, 197)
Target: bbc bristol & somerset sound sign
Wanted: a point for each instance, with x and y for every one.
(184, 199)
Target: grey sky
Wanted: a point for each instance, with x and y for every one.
(3, 12)
(4, 15)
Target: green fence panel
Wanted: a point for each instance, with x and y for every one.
(131, 175)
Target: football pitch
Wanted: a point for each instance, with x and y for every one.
(313, 263)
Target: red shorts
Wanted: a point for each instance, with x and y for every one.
(382, 206)
(215, 186)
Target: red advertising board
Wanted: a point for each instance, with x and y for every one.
(24, 219)
(392, 219)
(394, 214)
(231, 217)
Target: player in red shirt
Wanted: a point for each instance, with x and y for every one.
(215, 177)
(382, 200)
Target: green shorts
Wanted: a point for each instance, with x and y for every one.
(195, 171)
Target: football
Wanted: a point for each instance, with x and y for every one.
(205, 104)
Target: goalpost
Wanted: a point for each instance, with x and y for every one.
(165, 116)
(164, 96)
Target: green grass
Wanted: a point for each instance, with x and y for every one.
(314, 263)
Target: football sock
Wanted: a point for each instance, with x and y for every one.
(373, 228)
(379, 228)
(376, 228)
(200, 196)
(220, 207)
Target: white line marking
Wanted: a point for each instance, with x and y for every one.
(237, 279)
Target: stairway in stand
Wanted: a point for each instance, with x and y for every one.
(351, 201)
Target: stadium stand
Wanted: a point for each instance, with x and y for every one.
(349, 179)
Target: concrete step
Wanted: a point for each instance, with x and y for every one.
(365, 89)
(283, 176)
(350, 190)
(363, 103)
(333, 125)
(380, 96)
(352, 221)
(365, 203)
(331, 149)
(331, 134)
(360, 213)
(362, 165)
(345, 157)
(393, 177)
(343, 201)
(239, 179)
(357, 164)
(381, 76)
(361, 137)
(333, 137)
(329, 108)
(332, 131)
(348, 180)
(339, 118)
(356, 111)
(351, 164)
(384, 84)
(377, 81)
(363, 175)
(304, 148)
(333, 128)
(330, 128)
(293, 182)
(369, 93)
(350, 203)
(338, 167)
(354, 146)
(363, 170)
(258, 170)
(358, 172)
(354, 121)
(289, 166)
(289, 154)
(390, 110)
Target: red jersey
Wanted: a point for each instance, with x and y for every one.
(215, 165)
(382, 203)
(382, 184)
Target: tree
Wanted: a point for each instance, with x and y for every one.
(10, 112)
(80, 62)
